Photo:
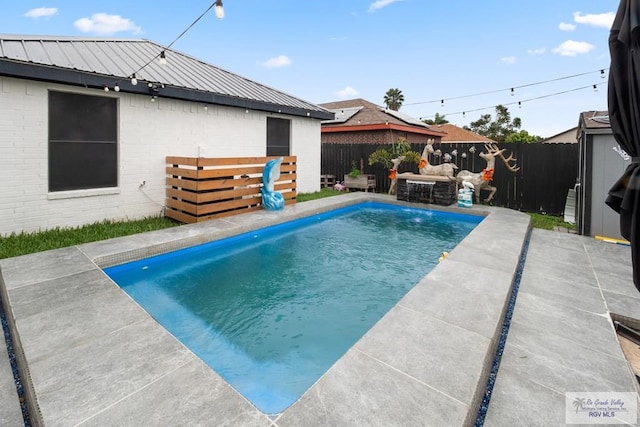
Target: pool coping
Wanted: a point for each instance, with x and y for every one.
(88, 353)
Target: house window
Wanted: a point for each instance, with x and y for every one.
(83, 142)
(278, 136)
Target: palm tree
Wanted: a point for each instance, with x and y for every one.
(393, 99)
(437, 120)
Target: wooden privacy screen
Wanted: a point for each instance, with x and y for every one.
(201, 188)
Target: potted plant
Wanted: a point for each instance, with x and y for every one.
(356, 179)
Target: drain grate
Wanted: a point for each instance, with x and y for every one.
(14, 366)
(484, 406)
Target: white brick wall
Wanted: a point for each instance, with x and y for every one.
(148, 131)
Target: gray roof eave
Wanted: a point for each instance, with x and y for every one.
(44, 73)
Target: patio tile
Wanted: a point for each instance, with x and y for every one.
(75, 384)
(448, 292)
(361, 391)
(446, 357)
(70, 310)
(191, 395)
(38, 267)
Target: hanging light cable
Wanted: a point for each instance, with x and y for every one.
(511, 89)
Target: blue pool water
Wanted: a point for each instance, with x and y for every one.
(273, 309)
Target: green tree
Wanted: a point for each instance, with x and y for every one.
(437, 120)
(385, 153)
(498, 129)
(393, 99)
(523, 136)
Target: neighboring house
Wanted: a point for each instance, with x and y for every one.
(87, 123)
(602, 162)
(362, 122)
(458, 135)
(569, 136)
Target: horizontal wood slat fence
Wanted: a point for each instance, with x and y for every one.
(199, 188)
(547, 171)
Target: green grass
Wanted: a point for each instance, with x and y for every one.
(549, 222)
(27, 243)
(325, 192)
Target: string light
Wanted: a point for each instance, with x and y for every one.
(161, 56)
(512, 92)
(519, 102)
(441, 100)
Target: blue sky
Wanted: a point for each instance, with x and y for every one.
(550, 52)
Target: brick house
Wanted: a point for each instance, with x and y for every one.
(88, 122)
(362, 122)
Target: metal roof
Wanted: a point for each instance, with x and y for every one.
(99, 62)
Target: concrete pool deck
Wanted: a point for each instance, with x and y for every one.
(90, 356)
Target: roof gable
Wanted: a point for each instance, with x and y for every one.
(99, 62)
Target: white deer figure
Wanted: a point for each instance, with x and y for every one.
(445, 169)
(482, 180)
(393, 173)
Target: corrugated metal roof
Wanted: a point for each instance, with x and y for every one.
(115, 60)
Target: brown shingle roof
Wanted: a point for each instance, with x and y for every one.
(457, 134)
(370, 114)
(595, 119)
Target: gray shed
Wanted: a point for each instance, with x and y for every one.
(601, 163)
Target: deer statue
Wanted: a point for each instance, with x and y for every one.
(445, 169)
(393, 173)
(482, 180)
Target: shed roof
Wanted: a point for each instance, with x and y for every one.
(100, 62)
(595, 119)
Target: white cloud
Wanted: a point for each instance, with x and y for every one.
(347, 92)
(566, 27)
(508, 60)
(538, 51)
(277, 62)
(102, 23)
(379, 4)
(604, 20)
(41, 11)
(573, 48)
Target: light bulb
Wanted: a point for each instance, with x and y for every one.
(106, 88)
(116, 88)
(134, 81)
(163, 58)
(219, 9)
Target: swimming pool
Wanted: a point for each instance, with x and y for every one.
(262, 308)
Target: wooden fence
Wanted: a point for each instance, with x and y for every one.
(547, 171)
(200, 188)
